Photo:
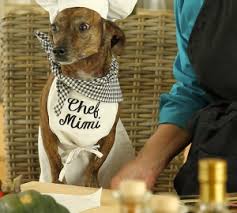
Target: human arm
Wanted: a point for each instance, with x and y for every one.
(147, 165)
(176, 108)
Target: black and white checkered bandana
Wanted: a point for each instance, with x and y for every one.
(104, 89)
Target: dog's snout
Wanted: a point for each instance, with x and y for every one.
(59, 51)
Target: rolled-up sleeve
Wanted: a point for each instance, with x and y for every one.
(186, 95)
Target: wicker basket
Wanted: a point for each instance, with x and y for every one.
(145, 73)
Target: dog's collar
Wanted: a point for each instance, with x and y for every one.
(104, 89)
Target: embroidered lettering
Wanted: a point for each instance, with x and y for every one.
(96, 110)
(89, 125)
(71, 121)
(76, 121)
(72, 102)
(68, 119)
(77, 105)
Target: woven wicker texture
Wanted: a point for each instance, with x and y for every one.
(25, 68)
(145, 73)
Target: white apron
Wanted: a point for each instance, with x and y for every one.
(81, 124)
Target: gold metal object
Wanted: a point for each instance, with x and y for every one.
(212, 178)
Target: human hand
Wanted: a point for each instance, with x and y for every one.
(137, 169)
(162, 146)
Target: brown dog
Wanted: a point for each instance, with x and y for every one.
(83, 44)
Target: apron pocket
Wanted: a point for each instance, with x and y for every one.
(215, 129)
(221, 141)
(214, 135)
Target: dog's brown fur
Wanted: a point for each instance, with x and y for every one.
(88, 53)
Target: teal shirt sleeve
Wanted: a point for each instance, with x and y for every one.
(186, 95)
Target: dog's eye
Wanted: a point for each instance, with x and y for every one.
(54, 28)
(84, 27)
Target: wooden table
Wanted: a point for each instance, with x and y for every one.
(108, 203)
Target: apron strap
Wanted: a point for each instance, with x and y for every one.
(74, 154)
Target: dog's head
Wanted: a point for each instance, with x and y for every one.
(80, 33)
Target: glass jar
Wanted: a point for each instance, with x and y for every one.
(133, 197)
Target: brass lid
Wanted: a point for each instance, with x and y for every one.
(212, 170)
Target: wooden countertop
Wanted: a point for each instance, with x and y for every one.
(108, 203)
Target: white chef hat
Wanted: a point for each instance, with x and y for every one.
(108, 9)
(120, 9)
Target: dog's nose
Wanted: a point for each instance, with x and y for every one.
(60, 51)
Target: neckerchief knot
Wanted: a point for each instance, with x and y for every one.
(104, 89)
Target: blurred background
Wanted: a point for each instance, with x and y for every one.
(156, 4)
(6, 5)
(165, 45)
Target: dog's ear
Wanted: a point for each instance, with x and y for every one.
(116, 37)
